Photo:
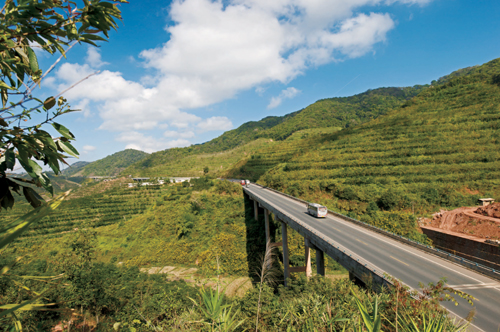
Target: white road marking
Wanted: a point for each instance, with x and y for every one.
(359, 228)
(471, 285)
(476, 286)
(393, 244)
(453, 313)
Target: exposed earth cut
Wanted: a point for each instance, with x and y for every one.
(481, 222)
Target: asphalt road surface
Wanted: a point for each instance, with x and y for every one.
(402, 261)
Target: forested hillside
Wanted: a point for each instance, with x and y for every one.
(420, 153)
(440, 149)
(74, 168)
(326, 113)
(108, 166)
(387, 157)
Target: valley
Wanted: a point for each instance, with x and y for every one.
(389, 157)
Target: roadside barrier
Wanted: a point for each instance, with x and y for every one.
(490, 272)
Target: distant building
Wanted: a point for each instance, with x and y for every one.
(487, 201)
(140, 179)
(182, 179)
(97, 178)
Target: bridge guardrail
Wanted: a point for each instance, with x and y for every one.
(324, 241)
(434, 251)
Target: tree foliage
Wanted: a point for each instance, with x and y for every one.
(53, 26)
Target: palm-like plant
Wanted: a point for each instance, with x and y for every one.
(266, 274)
(439, 323)
(218, 315)
(372, 321)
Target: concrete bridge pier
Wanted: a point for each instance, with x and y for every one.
(320, 262)
(307, 256)
(266, 221)
(256, 210)
(320, 258)
(286, 262)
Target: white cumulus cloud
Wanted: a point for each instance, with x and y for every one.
(185, 134)
(88, 148)
(139, 141)
(215, 123)
(94, 58)
(285, 94)
(216, 49)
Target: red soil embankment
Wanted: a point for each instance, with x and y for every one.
(482, 222)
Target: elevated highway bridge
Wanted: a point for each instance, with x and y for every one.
(372, 254)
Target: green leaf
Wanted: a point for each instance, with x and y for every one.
(49, 103)
(7, 200)
(45, 181)
(68, 148)
(61, 100)
(25, 306)
(32, 197)
(88, 36)
(8, 160)
(14, 185)
(21, 181)
(4, 85)
(46, 139)
(70, 111)
(35, 168)
(63, 130)
(5, 97)
(33, 60)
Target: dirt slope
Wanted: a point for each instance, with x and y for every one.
(483, 222)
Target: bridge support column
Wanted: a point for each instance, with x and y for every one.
(307, 255)
(268, 232)
(320, 262)
(256, 210)
(356, 280)
(286, 263)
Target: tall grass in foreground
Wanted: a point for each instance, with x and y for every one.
(267, 274)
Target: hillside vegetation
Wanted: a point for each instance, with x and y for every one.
(109, 166)
(161, 225)
(439, 149)
(386, 156)
(74, 168)
(325, 113)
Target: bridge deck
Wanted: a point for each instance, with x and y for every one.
(404, 262)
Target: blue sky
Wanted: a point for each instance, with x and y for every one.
(183, 72)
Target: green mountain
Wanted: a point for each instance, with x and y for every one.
(326, 113)
(74, 168)
(434, 150)
(381, 156)
(109, 166)
(385, 157)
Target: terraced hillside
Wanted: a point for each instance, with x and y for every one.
(108, 166)
(325, 113)
(96, 209)
(180, 162)
(276, 152)
(440, 148)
